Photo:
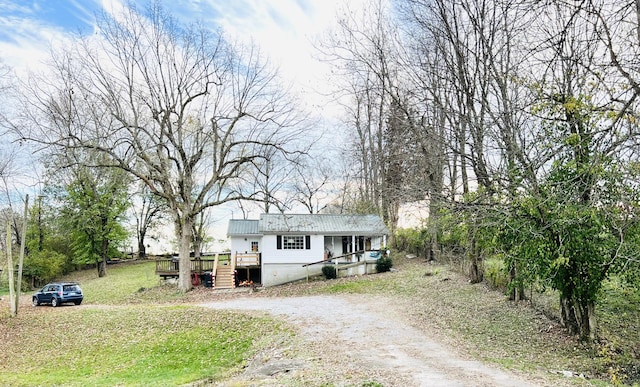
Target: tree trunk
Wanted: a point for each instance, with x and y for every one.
(102, 263)
(197, 247)
(22, 249)
(12, 292)
(185, 228)
(102, 268)
(475, 272)
(586, 320)
(104, 251)
(592, 322)
(142, 249)
(517, 291)
(567, 315)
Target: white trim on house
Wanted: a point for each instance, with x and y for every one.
(323, 235)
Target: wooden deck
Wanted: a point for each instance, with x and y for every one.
(170, 267)
(220, 265)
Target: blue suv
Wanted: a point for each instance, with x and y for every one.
(57, 293)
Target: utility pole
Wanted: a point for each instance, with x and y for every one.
(23, 241)
(12, 291)
(15, 284)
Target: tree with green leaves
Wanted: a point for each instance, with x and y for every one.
(571, 245)
(48, 254)
(581, 224)
(94, 202)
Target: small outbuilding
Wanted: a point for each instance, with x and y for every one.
(291, 247)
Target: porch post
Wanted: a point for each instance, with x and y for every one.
(353, 245)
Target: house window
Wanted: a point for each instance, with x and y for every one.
(254, 246)
(293, 242)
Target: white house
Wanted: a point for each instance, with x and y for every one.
(294, 246)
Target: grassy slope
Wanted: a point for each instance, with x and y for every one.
(486, 325)
(118, 343)
(115, 343)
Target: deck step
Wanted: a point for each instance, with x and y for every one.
(224, 278)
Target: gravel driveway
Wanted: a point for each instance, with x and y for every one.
(357, 340)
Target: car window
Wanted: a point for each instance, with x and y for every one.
(70, 288)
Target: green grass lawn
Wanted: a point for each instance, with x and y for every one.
(127, 346)
(110, 341)
(133, 331)
(121, 284)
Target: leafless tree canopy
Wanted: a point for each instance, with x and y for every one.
(179, 108)
(475, 104)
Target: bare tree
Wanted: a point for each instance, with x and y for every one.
(178, 107)
(393, 147)
(269, 181)
(310, 185)
(10, 170)
(149, 212)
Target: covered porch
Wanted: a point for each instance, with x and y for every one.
(352, 247)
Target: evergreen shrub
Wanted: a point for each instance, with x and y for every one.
(384, 264)
(329, 272)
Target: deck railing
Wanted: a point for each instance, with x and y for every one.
(349, 260)
(171, 266)
(247, 259)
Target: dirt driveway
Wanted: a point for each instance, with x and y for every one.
(357, 340)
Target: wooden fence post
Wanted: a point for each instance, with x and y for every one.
(12, 291)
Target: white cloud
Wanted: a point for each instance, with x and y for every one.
(29, 45)
(287, 31)
(11, 6)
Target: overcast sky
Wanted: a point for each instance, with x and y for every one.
(284, 29)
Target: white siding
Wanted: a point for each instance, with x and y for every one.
(280, 266)
(271, 254)
(239, 244)
(282, 273)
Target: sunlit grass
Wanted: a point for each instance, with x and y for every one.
(128, 346)
(120, 285)
(126, 334)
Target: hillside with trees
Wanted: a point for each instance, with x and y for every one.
(515, 120)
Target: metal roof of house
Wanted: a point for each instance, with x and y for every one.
(325, 224)
(243, 227)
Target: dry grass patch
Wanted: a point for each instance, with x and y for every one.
(484, 324)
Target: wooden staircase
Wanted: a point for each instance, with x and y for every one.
(224, 277)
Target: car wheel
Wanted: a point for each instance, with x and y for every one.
(54, 302)
(35, 301)
(77, 302)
